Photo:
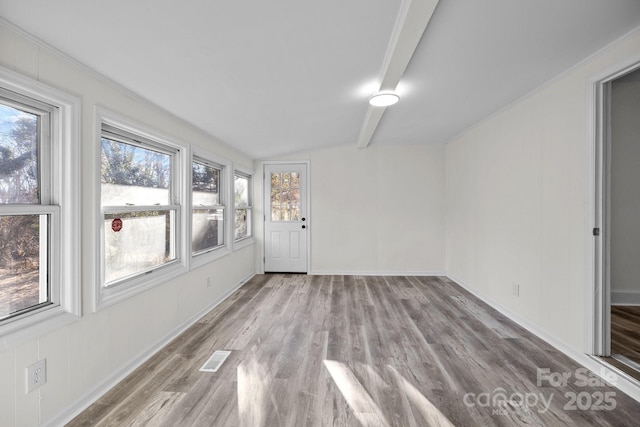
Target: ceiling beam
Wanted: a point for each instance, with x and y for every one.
(413, 18)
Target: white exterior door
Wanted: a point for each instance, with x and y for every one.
(286, 224)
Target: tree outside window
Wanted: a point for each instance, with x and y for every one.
(23, 268)
(242, 190)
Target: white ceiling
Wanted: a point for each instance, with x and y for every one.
(282, 76)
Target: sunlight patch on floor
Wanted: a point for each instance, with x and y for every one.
(365, 408)
(254, 393)
(429, 412)
(360, 402)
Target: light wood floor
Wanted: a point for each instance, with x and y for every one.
(625, 331)
(356, 351)
(625, 335)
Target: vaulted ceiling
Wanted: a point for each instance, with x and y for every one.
(278, 77)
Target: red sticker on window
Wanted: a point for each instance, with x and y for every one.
(116, 225)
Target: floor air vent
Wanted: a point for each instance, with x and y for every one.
(215, 361)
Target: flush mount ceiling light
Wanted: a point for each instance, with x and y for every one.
(384, 98)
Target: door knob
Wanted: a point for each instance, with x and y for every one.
(304, 226)
(304, 219)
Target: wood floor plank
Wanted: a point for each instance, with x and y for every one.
(625, 337)
(354, 351)
(157, 409)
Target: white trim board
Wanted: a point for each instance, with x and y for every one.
(89, 398)
(625, 298)
(597, 302)
(625, 383)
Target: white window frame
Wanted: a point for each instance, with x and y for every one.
(249, 240)
(204, 257)
(63, 207)
(105, 296)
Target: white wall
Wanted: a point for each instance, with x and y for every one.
(87, 354)
(518, 208)
(625, 189)
(378, 210)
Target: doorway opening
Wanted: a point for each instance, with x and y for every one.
(286, 219)
(617, 231)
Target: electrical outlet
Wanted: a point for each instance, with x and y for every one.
(36, 375)
(516, 290)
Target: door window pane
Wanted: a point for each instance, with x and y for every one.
(285, 196)
(23, 238)
(137, 241)
(295, 180)
(133, 175)
(295, 214)
(19, 177)
(275, 180)
(276, 214)
(295, 197)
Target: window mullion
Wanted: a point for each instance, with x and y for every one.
(201, 207)
(45, 158)
(28, 209)
(135, 208)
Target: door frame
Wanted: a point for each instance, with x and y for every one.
(598, 297)
(264, 203)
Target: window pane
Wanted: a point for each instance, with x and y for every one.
(206, 183)
(243, 223)
(136, 242)
(23, 277)
(19, 177)
(208, 229)
(295, 180)
(134, 175)
(285, 196)
(275, 180)
(295, 197)
(276, 214)
(295, 214)
(241, 191)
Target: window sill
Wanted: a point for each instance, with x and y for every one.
(108, 296)
(207, 257)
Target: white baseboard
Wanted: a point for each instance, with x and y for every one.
(625, 298)
(74, 410)
(374, 273)
(624, 383)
